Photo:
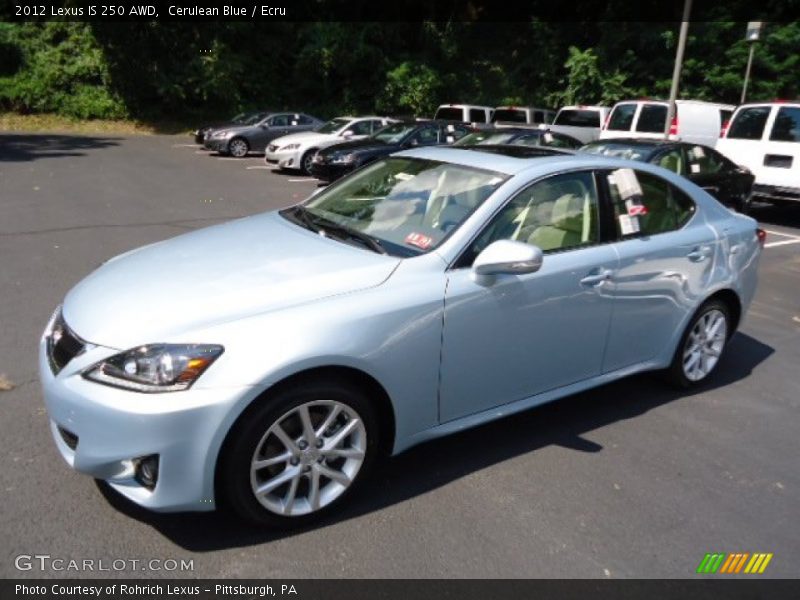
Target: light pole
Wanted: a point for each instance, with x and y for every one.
(676, 72)
(752, 36)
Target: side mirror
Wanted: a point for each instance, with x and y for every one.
(506, 257)
(264, 126)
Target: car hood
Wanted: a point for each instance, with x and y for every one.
(365, 145)
(213, 275)
(233, 129)
(306, 137)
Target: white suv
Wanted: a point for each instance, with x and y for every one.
(464, 113)
(765, 138)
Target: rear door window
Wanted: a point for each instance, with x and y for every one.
(622, 117)
(645, 204)
(703, 160)
(748, 124)
(578, 118)
(652, 118)
(477, 115)
(449, 114)
(787, 125)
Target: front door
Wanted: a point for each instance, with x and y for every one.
(526, 334)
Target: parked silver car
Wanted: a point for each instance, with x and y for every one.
(257, 132)
(271, 360)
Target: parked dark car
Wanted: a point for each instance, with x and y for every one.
(519, 136)
(727, 182)
(256, 133)
(201, 132)
(335, 161)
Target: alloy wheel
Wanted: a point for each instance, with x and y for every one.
(704, 345)
(308, 457)
(238, 148)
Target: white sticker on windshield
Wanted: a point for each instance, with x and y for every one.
(694, 168)
(548, 137)
(699, 152)
(628, 224)
(404, 176)
(450, 128)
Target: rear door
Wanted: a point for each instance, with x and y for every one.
(781, 162)
(620, 123)
(716, 174)
(666, 254)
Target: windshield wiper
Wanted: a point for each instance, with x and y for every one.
(325, 226)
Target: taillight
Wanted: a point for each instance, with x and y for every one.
(605, 123)
(724, 129)
(673, 127)
(762, 236)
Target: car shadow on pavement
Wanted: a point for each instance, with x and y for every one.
(28, 147)
(439, 462)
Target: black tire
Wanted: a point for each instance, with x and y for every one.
(238, 147)
(676, 373)
(305, 161)
(244, 439)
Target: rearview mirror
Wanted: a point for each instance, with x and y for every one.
(506, 257)
(347, 134)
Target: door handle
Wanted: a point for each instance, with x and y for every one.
(711, 189)
(699, 254)
(597, 278)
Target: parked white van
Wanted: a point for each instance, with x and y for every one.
(765, 138)
(465, 113)
(581, 122)
(694, 121)
(522, 115)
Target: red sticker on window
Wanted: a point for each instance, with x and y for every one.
(419, 240)
(637, 210)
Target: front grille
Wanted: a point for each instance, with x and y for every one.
(70, 439)
(62, 345)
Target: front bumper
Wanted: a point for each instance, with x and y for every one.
(775, 192)
(114, 426)
(330, 171)
(216, 145)
(284, 159)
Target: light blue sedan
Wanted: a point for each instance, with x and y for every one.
(268, 362)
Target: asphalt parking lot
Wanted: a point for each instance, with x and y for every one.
(633, 479)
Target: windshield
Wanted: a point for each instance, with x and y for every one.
(334, 125)
(618, 150)
(578, 118)
(408, 205)
(393, 134)
(486, 137)
(254, 118)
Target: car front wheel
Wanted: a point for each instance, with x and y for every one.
(305, 162)
(299, 454)
(238, 147)
(702, 344)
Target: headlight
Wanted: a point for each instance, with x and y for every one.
(219, 134)
(155, 368)
(346, 158)
(290, 147)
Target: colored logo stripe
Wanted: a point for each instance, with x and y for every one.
(718, 562)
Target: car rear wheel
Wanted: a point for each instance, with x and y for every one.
(305, 162)
(238, 147)
(299, 454)
(702, 345)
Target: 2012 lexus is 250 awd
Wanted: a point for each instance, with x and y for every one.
(267, 362)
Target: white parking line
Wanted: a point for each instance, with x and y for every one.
(782, 243)
(789, 235)
(185, 145)
(259, 167)
(238, 159)
(303, 179)
(200, 152)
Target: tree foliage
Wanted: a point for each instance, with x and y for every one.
(160, 70)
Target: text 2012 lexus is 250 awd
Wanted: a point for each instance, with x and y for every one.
(268, 362)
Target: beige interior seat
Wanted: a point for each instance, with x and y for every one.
(566, 227)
